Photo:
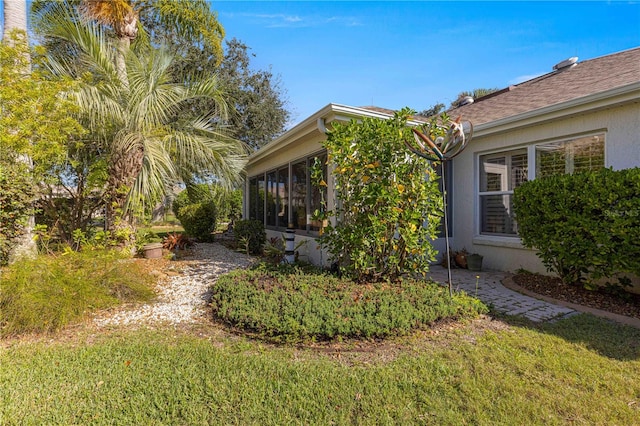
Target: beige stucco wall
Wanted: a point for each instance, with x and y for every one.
(622, 150)
(621, 125)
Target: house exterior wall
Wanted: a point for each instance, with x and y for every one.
(621, 126)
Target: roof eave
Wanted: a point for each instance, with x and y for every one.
(329, 113)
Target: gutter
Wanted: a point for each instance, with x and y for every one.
(315, 122)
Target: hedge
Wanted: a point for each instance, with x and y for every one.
(585, 226)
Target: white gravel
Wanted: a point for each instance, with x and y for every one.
(182, 299)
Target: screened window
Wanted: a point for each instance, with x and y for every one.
(272, 194)
(299, 192)
(286, 196)
(282, 196)
(253, 198)
(500, 174)
(318, 194)
(261, 198)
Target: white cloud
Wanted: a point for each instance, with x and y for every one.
(279, 20)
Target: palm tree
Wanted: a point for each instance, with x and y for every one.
(122, 18)
(148, 143)
(15, 16)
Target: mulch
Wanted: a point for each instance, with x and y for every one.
(627, 304)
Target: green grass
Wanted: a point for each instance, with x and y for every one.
(50, 292)
(578, 371)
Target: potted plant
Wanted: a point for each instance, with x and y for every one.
(460, 258)
(474, 262)
(152, 250)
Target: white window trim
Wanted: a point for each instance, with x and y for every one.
(515, 241)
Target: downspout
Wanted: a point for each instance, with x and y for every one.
(322, 125)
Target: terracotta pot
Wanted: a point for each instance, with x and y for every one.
(152, 250)
(461, 260)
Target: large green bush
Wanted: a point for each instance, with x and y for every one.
(50, 292)
(585, 225)
(390, 206)
(198, 220)
(250, 235)
(198, 215)
(294, 306)
(199, 209)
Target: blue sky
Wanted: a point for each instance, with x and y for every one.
(394, 54)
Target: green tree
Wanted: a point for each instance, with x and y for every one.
(260, 113)
(36, 127)
(433, 110)
(129, 20)
(148, 143)
(256, 99)
(389, 203)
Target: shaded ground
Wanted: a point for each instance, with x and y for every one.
(628, 304)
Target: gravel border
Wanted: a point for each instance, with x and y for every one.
(182, 299)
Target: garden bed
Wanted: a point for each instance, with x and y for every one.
(627, 305)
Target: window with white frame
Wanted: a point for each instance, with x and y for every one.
(502, 172)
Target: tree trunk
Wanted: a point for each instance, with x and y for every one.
(15, 18)
(124, 43)
(123, 172)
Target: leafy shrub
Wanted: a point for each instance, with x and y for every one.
(16, 197)
(250, 235)
(228, 203)
(585, 225)
(199, 220)
(48, 293)
(392, 208)
(294, 306)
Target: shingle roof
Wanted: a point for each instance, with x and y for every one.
(378, 109)
(583, 79)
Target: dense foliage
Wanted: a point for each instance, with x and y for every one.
(389, 204)
(290, 306)
(35, 120)
(584, 226)
(142, 118)
(48, 293)
(250, 235)
(36, 129)
(257, 96)
(198, 215)
(16, 205)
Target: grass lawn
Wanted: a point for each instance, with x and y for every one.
(581, 370)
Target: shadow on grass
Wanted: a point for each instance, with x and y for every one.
(606, 337)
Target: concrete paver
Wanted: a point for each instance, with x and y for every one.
(487, 286)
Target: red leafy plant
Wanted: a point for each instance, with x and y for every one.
(176, 241)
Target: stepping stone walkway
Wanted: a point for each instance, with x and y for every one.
(490, 290)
